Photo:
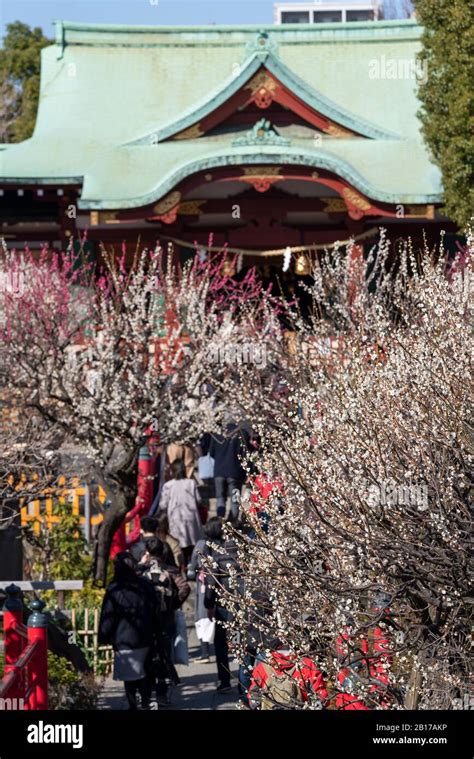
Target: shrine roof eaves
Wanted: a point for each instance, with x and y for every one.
(231, 156)
(391, 171)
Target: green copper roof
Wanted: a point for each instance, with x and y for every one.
(319, 102)
(105, 90)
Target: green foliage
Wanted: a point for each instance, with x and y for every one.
(447, 111)
(68, 689)
(90, 597)
(20, 80)
(60, 552)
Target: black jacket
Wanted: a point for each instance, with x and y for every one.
(218, 579)
(129, 614)
(227, 452)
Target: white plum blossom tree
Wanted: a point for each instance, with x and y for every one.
(359, 555)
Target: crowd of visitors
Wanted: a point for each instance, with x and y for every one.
(142, 616)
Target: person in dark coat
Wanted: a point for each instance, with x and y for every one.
(127, 622)
(229, 474)
(163, 578)
(196, 571)
(224, 558)
(148, 528)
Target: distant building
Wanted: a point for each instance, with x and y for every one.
(329, 12)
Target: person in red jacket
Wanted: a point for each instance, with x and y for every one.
(348, 701)
(285, 682)
(349, 676)
(372, 664)
(263, 488)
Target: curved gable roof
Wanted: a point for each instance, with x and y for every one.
(267, 61)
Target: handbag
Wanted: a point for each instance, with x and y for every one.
(180, 641)
(206, 467)
(206, 630)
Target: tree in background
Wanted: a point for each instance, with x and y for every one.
(20, 62)
(447, 114)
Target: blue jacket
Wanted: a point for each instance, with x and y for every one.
(227, 452)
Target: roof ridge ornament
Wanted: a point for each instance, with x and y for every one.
(262, 46)
(262, 133)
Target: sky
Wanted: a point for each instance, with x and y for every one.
(154, 12)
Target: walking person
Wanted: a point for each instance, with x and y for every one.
(127, 622)
(229, 474)
(196, 571)
(170, 540)
(281, 681)
(224, 558)
(163, 671)
(148, 528)
(205, 466)
(186, 453)
(180, 500)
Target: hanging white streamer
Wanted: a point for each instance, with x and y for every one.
(287, 259)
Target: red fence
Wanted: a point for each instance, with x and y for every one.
(25, 682)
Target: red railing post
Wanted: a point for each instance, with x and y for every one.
(13, 640)
(38, 633)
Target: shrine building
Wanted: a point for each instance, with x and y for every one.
(289, 135)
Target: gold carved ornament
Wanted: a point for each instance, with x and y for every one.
(262, 87)
(103, 217)
(420, 211)
(261, 177)
(334, 130)
(166, 210)
(261, 80)
(262, 171)
(355, 199)
(109, 217)
(190, 134)
(191, 208)
(167, 203)
(334, 205)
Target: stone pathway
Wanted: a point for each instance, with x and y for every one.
(198, 681)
